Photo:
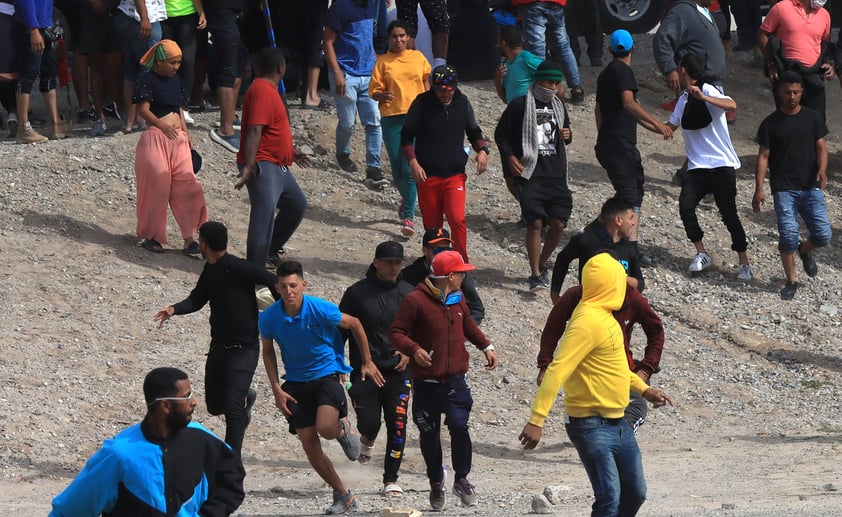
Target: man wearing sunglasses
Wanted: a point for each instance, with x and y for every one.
(436, 240)
(164, 465)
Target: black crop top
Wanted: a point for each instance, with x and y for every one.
(164, 94)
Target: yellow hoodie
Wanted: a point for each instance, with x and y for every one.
(591, 360)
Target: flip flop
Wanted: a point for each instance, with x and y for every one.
(152, 245)
(392, 490)
(366, 452)
(323, 105)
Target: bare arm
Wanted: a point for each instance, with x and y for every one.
(643, 117)
(328, 39)
(821, 155)
(253, 135)
(760, 171)
(368, 368)
(270, 362)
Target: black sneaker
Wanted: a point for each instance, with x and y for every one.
(536, 283)
(276, 257)
(345, 163)
(374, 178)
(251, 396)
(577, 95)
(808, 262)
(788, 292)
(110, 110)
(83, 116)
(545, 276)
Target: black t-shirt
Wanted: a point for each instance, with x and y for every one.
(791, 139)
(164, 94)
(552, 156)
(616, 121)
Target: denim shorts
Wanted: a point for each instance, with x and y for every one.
(810, 204)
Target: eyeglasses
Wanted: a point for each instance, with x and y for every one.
(159, 399)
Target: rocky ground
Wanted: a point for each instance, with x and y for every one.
(755, 430)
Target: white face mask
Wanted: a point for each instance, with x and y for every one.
(816, 4)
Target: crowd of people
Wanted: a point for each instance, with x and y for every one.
(406, 327)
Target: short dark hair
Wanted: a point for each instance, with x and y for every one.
(215, 235)
(397, 24)
(613, 207)
(511, 35)
(790, 77)
(160, 382)
(290, 267)
(694, 65)
(268, 60)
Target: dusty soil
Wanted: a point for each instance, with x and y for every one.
(756, 427)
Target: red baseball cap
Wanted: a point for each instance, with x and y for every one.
(448, 262)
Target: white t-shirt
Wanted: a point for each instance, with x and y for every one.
(156, 10)
(709, 147)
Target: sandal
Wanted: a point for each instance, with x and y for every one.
(152, 245)
(192, 250)
(392, 490)
(366, 452)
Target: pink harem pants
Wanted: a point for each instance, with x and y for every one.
(164, 173)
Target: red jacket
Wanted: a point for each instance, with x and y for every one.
(635, 309)
(424, 321)
(527, 2)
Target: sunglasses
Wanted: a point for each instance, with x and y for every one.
(159, 399)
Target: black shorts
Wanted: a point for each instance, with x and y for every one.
(621, 159)
(326, 391)
(8, 52)
(98, 34)
(544, 201)
(435, 11)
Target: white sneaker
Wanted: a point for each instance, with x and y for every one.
(699, 263)
(744, 272)
(188, 118)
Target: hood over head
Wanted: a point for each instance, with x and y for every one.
(603, 282)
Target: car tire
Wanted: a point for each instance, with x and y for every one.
(636, 16)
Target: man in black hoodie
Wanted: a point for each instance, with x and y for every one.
(374, 300)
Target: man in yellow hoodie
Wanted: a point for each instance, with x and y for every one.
(591, 365)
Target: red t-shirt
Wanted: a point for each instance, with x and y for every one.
(262, 106)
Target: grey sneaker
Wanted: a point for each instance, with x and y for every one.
(342, 503)
(99, 128)
(465, 490)
(345, 163)
(12, 125)
(744, 272)
(229, 142)
(251, 396)
(350, 442)
(438, 495)
(699, 263)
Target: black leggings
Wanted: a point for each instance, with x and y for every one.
(393, 399)
(228, 375)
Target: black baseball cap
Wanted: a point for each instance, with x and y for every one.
(389, 250)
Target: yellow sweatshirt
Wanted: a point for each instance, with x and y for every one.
(591, 360)
(406, 74)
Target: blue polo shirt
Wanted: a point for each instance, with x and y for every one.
(354, 45)
(310, 344)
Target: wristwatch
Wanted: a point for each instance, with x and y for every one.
(486, 149)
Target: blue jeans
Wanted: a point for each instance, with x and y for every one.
(811, 205)
(612, 460)
(401, 175)
(431, 400)
(544, 22)
(133, 48)
(356, 99)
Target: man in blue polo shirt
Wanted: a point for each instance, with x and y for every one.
(312, 399)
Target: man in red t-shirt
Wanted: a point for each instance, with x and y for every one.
(264, 158)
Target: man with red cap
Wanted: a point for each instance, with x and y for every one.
(431, 327)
